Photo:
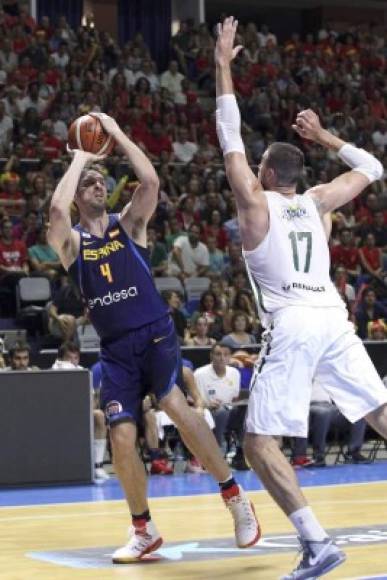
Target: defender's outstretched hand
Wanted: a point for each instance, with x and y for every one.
(225, 51)
(308, 125)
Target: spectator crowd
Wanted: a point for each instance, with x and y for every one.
(50, 74)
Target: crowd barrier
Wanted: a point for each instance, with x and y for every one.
(200, 356)
(46, 429)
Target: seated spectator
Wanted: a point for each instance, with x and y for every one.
(6, 128)
(43, 260)
(209, 309)
(2, 356)
(377, 330)
(187, 383)
(173, 230)
(156, 142)
(243, 302)
(13, 265)
(150, 430)
(238, 336)
(67, 359)
(234, 262)
(219, 287)
(371, 259)
(66, 312)
(186, 214)
(157, 253)
(323, 416)
(11, 198)
(369, 310)
(346, 254)
(345, 290)
(189, 256)
(27, 228)
(171, 79)
(173, 299)
(184, 150)
(198, 335)
(216, 256)
(214, 228)
(219, 386)
(19, 358)
(379, 230)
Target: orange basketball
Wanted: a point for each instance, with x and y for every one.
(87, 133)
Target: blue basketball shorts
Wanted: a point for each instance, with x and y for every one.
(143, 361)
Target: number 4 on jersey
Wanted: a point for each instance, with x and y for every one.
(295, 238)
(106, 272)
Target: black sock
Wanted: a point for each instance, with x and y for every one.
(227, 484)
(144, 516)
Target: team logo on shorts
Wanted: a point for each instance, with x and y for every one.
(113, 408)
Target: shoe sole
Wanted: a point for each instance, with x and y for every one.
(257, 537)
(155, 546)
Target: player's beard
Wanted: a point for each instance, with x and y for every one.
(98, 207)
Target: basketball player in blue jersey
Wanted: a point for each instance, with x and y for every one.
(106, 255)
(284, 237)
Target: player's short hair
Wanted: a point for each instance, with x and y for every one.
(67, 347)
(19, 346)
(95, 167)
(287, 161)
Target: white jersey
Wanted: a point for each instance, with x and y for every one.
(290, 267)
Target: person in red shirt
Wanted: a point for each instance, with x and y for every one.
(11, 198)
(156, 141)
(346, 254)
(365, 213)
(13, 265)
(244, 82)
(52, 146)
(371, 258)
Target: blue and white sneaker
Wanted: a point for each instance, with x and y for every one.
(318, 559)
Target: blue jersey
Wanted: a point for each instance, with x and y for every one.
(113, 274)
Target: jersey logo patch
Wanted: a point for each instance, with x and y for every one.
(296, 211)
(114, 233)
(87, 243)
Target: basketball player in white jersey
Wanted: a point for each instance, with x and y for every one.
(308, 333)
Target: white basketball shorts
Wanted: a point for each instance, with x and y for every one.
(303, 343)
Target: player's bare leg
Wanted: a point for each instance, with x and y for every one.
(320, 554)
(378, 420)
(202, 443)
(275, 472)
(130, 470)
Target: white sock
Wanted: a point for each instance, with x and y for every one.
(99, 450)
(307, 525)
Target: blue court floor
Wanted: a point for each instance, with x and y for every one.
(186, 484)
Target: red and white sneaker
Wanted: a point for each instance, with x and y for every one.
(194, 466)
(302, 461)
(246, 526)
(161, 467)
(142, 541)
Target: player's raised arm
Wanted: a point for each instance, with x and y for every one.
(365, 168)
(228, 120)
(247, 188)
(61, 237)
(135, 216)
